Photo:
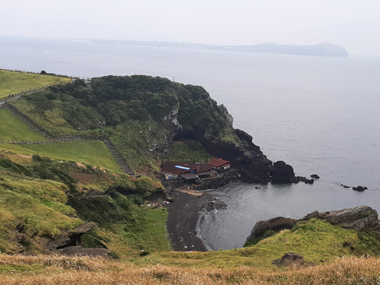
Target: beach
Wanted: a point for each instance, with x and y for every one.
(183, 219)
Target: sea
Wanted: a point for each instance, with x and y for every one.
(319, 114)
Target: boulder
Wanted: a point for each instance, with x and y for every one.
(67, 237)
(311, 215)
(276, 224)
(83, 229)
(82, 251)
(357, 218)
(290, 259)
(281, 172)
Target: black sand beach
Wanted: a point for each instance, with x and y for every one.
(182, 221)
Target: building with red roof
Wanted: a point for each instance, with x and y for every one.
(219, 164)
(172, 169)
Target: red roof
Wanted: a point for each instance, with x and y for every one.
(170, 167)
(217, 162)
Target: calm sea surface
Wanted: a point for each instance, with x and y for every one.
(319, 114)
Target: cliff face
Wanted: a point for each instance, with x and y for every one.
(143, 115)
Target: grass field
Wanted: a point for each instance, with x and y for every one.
(13, 128)
(88, 152)
(18, 269)
(12, 82)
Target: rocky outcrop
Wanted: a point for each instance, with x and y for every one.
(67, 238)
(274, 225)
(281, 172)
(358, 218)
(290, 259)
(82, 251)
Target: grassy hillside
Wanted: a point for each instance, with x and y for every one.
(40, 196)
(12, 82)
(13, 128)
(87, 152)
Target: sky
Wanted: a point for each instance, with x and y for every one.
(353, 24)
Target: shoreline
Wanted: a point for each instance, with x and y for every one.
(183, 220)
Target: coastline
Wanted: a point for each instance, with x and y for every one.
(183, 220)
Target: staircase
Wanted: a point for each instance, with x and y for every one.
(119, 158)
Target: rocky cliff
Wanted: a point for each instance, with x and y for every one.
(143, 115)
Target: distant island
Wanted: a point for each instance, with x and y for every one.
(322, 49)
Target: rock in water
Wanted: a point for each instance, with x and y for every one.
(281, 172)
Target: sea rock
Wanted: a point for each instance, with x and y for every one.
(281, 172)
(276, 224)
(315, 176)
(290, 259)
(360, 188)
(302, 179)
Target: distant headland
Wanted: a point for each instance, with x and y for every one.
(322, 49)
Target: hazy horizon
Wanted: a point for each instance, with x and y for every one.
(348, 23)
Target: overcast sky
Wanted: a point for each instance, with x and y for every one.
(354, 24)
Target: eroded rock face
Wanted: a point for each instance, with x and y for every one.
(276, 224)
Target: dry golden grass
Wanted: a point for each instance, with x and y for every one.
(84, 270)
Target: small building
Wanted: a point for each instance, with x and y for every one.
(219, 164)
(207, 174)
(172, 169)
(189, 176)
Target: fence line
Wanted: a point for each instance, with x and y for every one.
(50, 140)
(35, 89)
(47, 74)
(21, 93)
(111, 147)
(27, 120)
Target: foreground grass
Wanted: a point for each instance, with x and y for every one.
(88, 152)
(12, 82)
(13, 128)
(83, 270)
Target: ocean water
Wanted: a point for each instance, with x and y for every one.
(319, 114)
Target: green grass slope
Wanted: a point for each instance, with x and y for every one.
(88, 152)
(13, 128)
(317, 240)
(12, 82)
(37, 203)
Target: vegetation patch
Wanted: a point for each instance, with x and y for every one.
(191, 151)
(88, 152)
(12, 82)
